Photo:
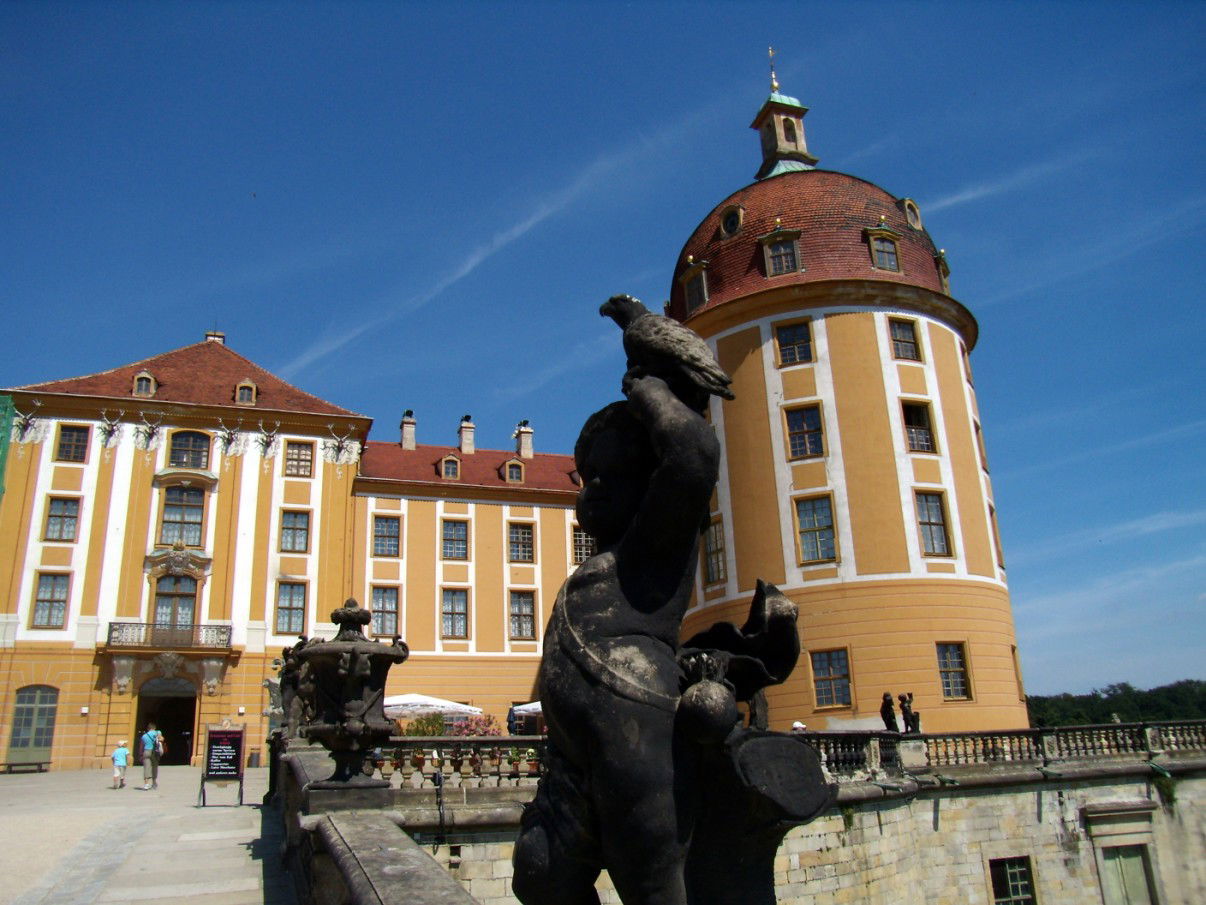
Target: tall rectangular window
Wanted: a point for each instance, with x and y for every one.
(804, 432)
(73, 444)
(455, 537)
(952, 667)
(831, 678)
(918, 433)
(290, 608)
(183, 510)
(295, 532)
(386, 535)
(884, 252)
(1012, 882)
(519, 543)
(781, 257)
(932, 519)
(697, 291)
(455, 613)
(584, 546)
(299, 459)
(62, 519)
(794, 342)
(815, 520)
(904, 340)
(714, 558)
(385, 611)
(523, 615)
(50, 601)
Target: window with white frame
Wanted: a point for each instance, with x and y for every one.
(523, 615)
(931, 519)
(584, 546)
(520, 544)
(454, 613)
(831, 677)
(62, 519)
(387, 531)
(804, 434)
(295, 532)
(714, 555)
(814, 521)
(455, 539)
(385, 611)
(919, 435)
(290, 608)
(50, 601)
(952, 669)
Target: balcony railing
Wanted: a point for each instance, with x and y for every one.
(510, 760)
(179, 637)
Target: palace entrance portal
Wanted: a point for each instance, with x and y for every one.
(171, 704)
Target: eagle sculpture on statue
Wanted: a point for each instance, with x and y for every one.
(666, 349)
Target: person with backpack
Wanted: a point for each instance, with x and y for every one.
(153, 747)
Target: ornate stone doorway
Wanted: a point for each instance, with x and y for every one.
(171, 704)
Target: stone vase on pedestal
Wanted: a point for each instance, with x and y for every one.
(345, 680)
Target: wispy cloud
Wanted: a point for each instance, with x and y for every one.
(1007, 182)
(1112, 600)
(1164, 436)
(581, 355)
(1103, 535)
(551, 204)
(1123, 239)
(889, 142)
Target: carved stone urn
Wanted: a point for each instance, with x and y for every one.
(345, 678)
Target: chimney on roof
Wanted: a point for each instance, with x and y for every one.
(215, 336)
(523, 440)
(408, 429)
(465, 432)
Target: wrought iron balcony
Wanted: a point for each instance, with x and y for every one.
(177, 637)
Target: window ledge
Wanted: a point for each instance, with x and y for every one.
(173, 475)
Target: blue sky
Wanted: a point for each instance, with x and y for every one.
(407, 205)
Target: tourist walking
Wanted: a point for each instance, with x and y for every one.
(152, 749)
(121, 760)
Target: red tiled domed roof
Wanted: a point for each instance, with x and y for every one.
(831, 211)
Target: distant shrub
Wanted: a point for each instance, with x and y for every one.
(475, 725)
(428, 724)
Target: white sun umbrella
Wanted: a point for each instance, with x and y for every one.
(533, 707)
(404, 706)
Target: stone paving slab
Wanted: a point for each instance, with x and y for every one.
(68, 838)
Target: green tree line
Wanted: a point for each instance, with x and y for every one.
(1184, 700)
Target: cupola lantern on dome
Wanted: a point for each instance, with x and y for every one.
(780, 123)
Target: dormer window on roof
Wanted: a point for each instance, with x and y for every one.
(781, 250)
(144, 384)
(730, 221)
(246, 393)
(881, 240)
(912, 213)
(450, 468)
(513, 471)
(695, 283)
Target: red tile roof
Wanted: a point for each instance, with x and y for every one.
(205, 373)
(483, 468)
(831, 210)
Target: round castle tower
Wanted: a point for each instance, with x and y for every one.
(854, 475)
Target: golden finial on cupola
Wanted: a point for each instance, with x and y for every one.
(770, 52)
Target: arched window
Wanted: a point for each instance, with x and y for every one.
(175, 600)
(190, 449)
(33, 724)
(789, 132)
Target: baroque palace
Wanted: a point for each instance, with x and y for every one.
(168, 526)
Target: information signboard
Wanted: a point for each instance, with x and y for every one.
(223, 757)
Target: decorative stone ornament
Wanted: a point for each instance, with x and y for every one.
(343, 684)
(169, 663)
(123, 674)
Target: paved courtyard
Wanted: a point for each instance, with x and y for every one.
(67, 838)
